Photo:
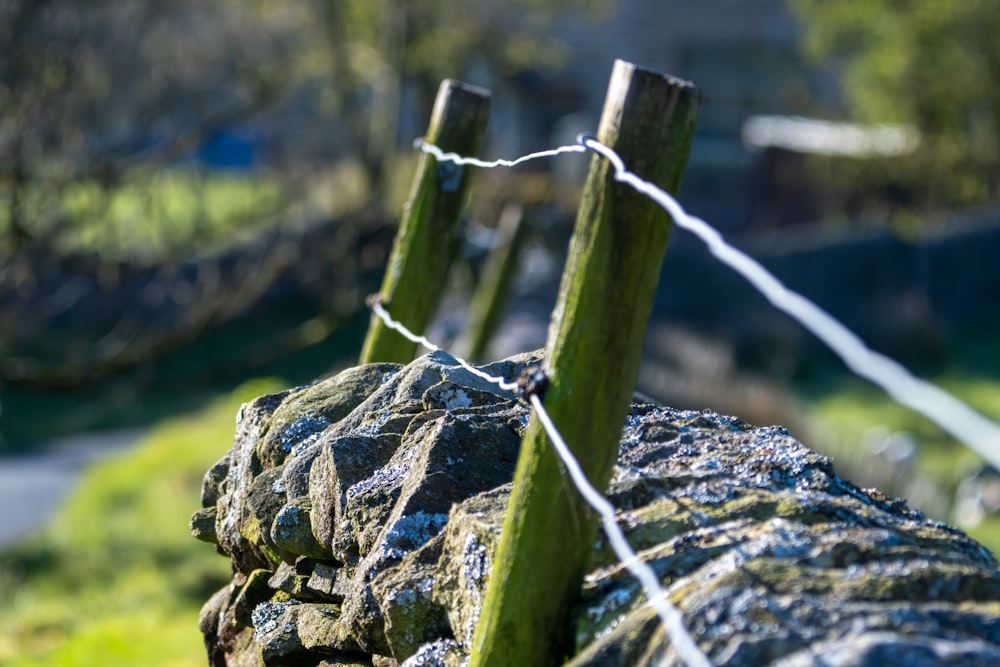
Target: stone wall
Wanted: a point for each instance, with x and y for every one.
(361, 514)
(69, 320)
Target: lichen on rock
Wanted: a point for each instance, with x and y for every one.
(361, 515)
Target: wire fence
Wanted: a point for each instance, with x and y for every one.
(954, 416)
(961, 421)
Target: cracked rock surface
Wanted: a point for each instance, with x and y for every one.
(361, 514)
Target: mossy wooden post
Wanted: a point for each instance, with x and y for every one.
(593, 352)
(418, 265)
(491, 296)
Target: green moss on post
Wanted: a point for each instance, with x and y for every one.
(418, 266)
(593, 354)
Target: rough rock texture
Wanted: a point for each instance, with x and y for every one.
(361, 514)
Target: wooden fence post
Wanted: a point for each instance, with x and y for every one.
(592, 359)
(491, 295)
(421, 255)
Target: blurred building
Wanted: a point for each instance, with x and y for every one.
(743, 54)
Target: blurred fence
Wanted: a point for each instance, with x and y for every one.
(901, 294)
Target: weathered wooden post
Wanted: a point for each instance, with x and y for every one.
(593, 353)
(418, 265)
(491, 295)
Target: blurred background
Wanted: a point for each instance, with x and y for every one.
(196, 195)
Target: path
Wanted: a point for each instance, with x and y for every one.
(33, 486)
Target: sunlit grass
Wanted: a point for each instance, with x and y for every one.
(155, 214)
(115, 578)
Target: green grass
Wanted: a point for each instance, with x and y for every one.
(115, 577)
(160, 212)
(846, 412)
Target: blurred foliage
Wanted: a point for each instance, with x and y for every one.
(98, 95)
(116, 578)
(142, 143)
(90, 91)
(155, 214)
(933, 65)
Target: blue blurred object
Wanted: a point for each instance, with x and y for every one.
(233, 149)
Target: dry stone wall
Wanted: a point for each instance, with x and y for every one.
(361, 514)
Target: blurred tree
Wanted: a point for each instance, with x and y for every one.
(932, 64)
(376, 46)
(94, 90)
(105, 105)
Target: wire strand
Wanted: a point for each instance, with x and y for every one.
(383, 314)
(500, 162)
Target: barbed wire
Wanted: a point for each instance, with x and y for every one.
(499, 162)
(376, 305)
(656, 597)
(951, 414)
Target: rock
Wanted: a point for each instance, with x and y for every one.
(203, 525)
(470, 539)
(291, 530)
(230, 479)
(254, 592)
(294, 633)
(361, 515)
(324, 580)
(411, 616)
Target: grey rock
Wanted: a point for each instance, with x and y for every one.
(254, 591)
(241, 469)
(343, 463)
(470, 540)
(292, 579)
(202, 525)
(438, 653)
(874, 649)
(306, 413)
(324, 581)
(291, 530)
(411, 617)
(212, 483)
(292, 633)
(345, 659)
(209, 625)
